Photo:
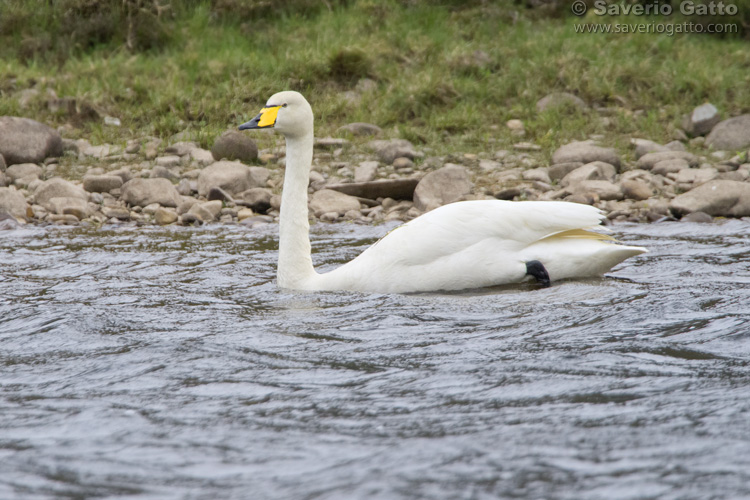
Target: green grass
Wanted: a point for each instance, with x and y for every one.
(445, 79)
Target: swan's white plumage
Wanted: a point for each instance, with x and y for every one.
(462, 245)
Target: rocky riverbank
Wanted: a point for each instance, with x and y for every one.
(47, 179)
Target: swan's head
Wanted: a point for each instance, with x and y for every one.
(287, 112)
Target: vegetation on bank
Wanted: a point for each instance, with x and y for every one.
(447, 75)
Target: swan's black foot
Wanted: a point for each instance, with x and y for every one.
(536, 269)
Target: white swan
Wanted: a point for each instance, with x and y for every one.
(462, 245)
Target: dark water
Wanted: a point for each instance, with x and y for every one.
(165, 364)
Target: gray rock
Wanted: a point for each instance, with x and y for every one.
(701, 120)
(730, 135)
(164, 216)
(537, 174)
(560, 170)
(694, 175)
(674, 165)
(3, 165)
(636, 190)
(57, 188)
(27, 141)
(208, 211)
(216, 193)
(234, 145)
(8, 222)
(644, 146)
(118, 213)
(717, 198)
(259, 199)
(160, 171)
(327, 201)
(508, 193)
(402, 163)
(143, 192)
(365, 171)
(605, 190)
(3, 179)
(70, 206)
(647, 161)
(20, 170)
(187, 203)
(557, 99)
(124, 173)
(232, 177)
(489, 165)
(202, 157)
(398, 189)
(389, 150)
(675, 146)
(442, 186)
(102, 183)
(181, 148)
(361, 129)
(700, 217)
(585, 152)
(594, 171)
(168, 161)
(330, 143)
(13, 202)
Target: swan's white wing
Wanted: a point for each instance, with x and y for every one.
(466, 245)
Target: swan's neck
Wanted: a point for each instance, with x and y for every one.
(295, 263)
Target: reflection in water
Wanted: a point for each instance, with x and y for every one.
(165, 363)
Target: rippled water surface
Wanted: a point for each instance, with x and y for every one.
(164, 363)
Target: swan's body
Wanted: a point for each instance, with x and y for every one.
(462, 245)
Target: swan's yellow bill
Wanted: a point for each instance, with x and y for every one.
(268, 116)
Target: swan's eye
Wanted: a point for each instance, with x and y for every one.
(283, 105)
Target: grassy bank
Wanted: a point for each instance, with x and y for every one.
(449, 79)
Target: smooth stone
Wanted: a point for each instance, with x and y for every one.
(328, 200)
(57, 188)
(208, 211)
(245, 213)
(716, 198)
(143, 192)
(202, 157)
(701, 120)
(13, 202)
(116, 213)
(489, 165)
(69, 219)
(21, 170)
(330, 143)
(442, 186)
(73, 206)
(187, 203)
(537, 174)
(3, 179)
(560, 170)
(7, 221)
(594, 171)
(700, 217)
(644, 146)
(605, 190)
(190, 219)
(366, 171)
(181, 148)
(168, 161)
(233, 177)
(585, 152)
(164, 216)
(389, 150)
(647, 161)
(508, 194)
(636, 190)
(23, 140)
(362, 129)
(402, 163)
(398, 189)
(694, 175)
(234, 145)
(101, 183)
(258, 199)
(666, 167)
(216, 193)
(557, 99)
(729, 135)
(123, 173)
(256, 221)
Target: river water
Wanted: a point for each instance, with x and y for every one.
(165, 364)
